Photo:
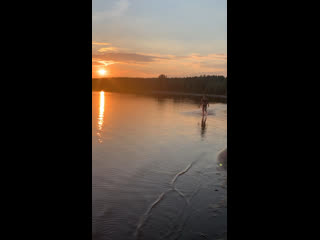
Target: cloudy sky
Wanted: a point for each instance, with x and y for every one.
(146, 38)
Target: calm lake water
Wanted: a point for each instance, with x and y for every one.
(156, 174)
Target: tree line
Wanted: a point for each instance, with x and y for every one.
(210, 84)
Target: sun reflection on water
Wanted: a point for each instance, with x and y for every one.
(101, 116)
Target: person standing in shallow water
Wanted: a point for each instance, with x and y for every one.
(205, 105)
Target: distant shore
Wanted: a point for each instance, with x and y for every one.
(212, 86)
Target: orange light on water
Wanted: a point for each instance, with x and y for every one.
(100, 117)
(101, 111)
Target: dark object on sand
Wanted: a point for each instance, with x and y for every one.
(222, 158)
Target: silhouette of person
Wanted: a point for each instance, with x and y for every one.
(205, 104)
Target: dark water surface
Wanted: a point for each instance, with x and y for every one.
(155, 169)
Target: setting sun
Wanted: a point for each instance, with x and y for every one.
(102, 72)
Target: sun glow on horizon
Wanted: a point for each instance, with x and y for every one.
(102, 72)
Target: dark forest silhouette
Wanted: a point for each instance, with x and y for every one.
(216, 85)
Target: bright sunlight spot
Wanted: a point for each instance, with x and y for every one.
(102, 72)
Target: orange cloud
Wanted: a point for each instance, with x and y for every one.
(100, 43)
(108, 49)
(125, 64)
(128, 57)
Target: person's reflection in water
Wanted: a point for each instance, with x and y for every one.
(203, 126)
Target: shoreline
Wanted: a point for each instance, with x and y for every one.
(189, 94)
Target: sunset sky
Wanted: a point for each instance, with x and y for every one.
(146, 38)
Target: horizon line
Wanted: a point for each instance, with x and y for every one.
(167, 77)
